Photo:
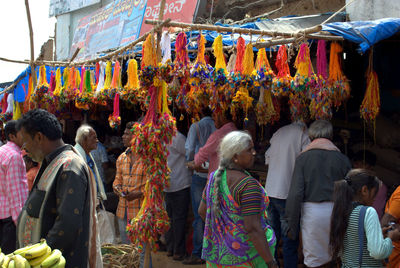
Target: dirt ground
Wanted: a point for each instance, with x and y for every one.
(160, 260)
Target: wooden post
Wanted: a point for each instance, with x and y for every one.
(159, 32)
(32, 62)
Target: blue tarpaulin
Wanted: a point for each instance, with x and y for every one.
(365, 33)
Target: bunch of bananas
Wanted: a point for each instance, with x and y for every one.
(37, 255)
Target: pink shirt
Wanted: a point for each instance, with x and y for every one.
(13, 182)
(209, 152)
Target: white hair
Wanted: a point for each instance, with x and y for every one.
(82, 132)
(233, 143)
(320, 129)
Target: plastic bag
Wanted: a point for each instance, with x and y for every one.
(106, 227)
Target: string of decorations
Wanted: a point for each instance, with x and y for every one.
(251, 86)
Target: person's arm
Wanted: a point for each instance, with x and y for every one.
(392, 211)
(117, 184)
(72, 194)
(378, 247)
(252, 225)
(17, 185)
(250, 196)
(204, 153)
(294, 201)
(202, 209)
(190, 144)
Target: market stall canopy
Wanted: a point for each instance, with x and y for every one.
(365, 33)
(296, 23)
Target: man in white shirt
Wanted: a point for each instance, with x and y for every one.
(286, 144)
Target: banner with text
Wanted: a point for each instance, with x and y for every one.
(177, 10)
(110, 27)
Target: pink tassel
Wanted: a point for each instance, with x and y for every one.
(180, 48)
(52, 82)
(82, 78)
(321, 59)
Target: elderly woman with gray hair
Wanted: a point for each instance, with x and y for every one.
(309, 203)
(234, 208)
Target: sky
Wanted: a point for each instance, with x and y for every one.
(14, 33)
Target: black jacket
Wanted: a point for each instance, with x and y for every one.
(313, 180)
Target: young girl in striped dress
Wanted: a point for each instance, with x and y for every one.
(355, 224)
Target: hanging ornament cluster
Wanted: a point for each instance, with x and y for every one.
(303, 81)
(181, 72)
(370, 106)
(337, 81)
(320, 95)
(200, 81)
(242, 98)
(265, 110)
(194, 86)
(282, 82)
(150, 138)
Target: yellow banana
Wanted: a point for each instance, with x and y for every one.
(52, 259)
(2, 256)
(6, 261)
(39, 260)
(24, 249)
(61, 262)
(11, 264)
(35, 251)
(20, 261)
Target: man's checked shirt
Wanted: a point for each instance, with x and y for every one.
(131, 177)
(13, 182)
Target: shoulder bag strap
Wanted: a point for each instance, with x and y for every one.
(361, 233)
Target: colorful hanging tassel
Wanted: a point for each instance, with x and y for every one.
(222, 94)
(371, 103)
(132, 93)
(264, 109)
(282, 82)
(240, 49)
(200, 79)
(41, 96)
(84, 99)
(320, 96)
(114, 119)
(181, 72)
(337, 81)
(242, 98)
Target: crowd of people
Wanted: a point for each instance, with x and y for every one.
(314, 199)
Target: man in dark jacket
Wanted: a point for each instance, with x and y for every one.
(309, 203)
(61, 205)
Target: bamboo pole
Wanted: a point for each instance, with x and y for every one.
(32, 62)
(126, 47)
(304, 32)
(74, 55)
(38, 62)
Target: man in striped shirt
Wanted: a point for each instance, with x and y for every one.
(13, 186)
(128, 184)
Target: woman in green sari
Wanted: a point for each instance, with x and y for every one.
(234, 208)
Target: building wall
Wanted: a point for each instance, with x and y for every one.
(373, 9)
(66, 25)
(239, 9)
